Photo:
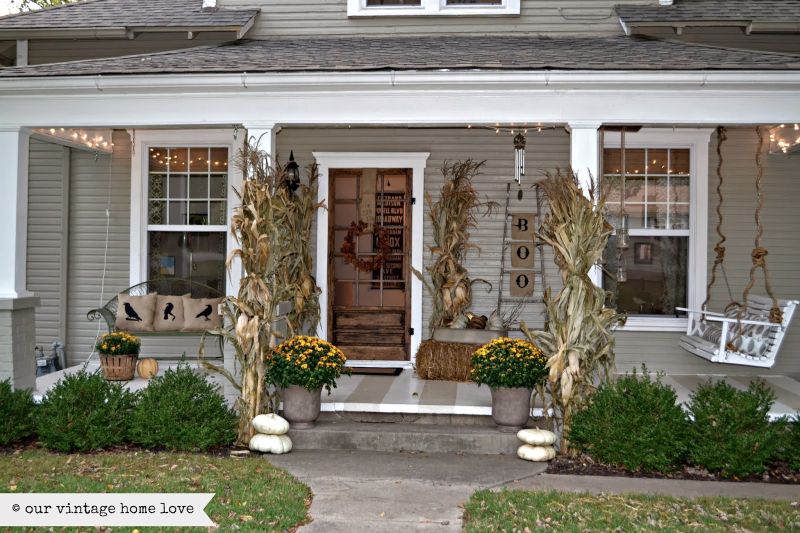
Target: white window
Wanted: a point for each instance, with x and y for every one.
(663, 192)
(370, 8)
(181, 185)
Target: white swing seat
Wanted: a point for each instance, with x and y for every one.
(708, 334)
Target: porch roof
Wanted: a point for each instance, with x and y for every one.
(103, 17)
(758, 15)
(349, 54)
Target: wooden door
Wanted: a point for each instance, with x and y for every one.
(369, 312)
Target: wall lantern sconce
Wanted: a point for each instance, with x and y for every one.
(292, 173)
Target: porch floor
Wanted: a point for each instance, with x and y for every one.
(407, 393)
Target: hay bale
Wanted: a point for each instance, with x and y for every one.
(450, 361)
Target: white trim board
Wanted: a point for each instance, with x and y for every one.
(416, 161)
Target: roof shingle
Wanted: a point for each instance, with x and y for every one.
(424, 53)
(127, 14)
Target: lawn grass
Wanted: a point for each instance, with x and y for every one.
(251, 494)
(559, 511)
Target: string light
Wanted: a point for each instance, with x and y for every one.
(93, 139)
(784, 140)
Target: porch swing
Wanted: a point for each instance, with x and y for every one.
(748, 333)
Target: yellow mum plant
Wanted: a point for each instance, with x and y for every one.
(118, 343)
(307, 361)
(506, 362)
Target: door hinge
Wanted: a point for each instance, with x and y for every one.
(413, 200)
(410, 331)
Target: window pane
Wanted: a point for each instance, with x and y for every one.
(158, 159)
(198, 213)
(194, 256)
(656, 275)
(157, 213)
(177, 212)
(199, 159)
(657, 189)
(219, 186)
(679, 189)
(198, 187)
(657, 161)
(634, 188)
(218, 162)
(178, 158)
(177, 186)
(217, 214)
(157, 186)
(679, 162)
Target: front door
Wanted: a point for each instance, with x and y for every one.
(368, 270)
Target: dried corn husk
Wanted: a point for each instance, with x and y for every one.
(452, 215)
(579, 331)
(272, 227)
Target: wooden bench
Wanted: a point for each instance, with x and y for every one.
(166, 287)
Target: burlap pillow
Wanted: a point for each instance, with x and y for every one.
(135, 313)
(201, 314)
(169, 313)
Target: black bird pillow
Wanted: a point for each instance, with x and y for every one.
(169, 313)
(135, 313)
(201, 314)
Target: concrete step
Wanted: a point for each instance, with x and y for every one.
(404, 437)
(407, 418)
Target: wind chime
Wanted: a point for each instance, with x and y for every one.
(623, 224)
(519, 157)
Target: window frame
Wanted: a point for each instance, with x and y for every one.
(143, 140)
(358, 8)
(696, 140)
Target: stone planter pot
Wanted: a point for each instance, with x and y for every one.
(511, 408)
(301, 406)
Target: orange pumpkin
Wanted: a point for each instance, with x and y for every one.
(147, 368)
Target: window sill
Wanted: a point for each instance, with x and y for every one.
(650, 323)
(428, 9)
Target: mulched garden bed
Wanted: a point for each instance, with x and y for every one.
(585, 466)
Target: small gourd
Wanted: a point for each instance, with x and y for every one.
(536, 437)
(536, 453)
(270, 424)
(147, 368)
(275, 444)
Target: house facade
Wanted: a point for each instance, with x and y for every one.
(120, 123)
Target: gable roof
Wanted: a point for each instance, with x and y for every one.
(754, 15)
(105, 17)
(345, 54)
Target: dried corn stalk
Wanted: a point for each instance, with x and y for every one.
(272, 227)
(451, 216)
(579, 331)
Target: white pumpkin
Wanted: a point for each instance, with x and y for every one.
(270, 424)
(277, 444)
(536, 453)
(536, 437)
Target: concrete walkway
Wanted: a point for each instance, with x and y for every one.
(391, 492)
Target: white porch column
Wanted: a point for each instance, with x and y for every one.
(585, 162)
(17, 320)
(13, 212)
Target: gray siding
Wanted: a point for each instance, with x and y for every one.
(329, 17)
(47, 180)
(546, 150)
(57, 50)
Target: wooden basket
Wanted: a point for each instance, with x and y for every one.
(118, 367)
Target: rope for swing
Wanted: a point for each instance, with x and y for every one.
(719, 248)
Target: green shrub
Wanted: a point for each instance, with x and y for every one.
(84, 412)
(181, 410)
(634, 422)
(16, 414)
(788, 447)
(731, 433)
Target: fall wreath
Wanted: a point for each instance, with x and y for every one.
(349, 247)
